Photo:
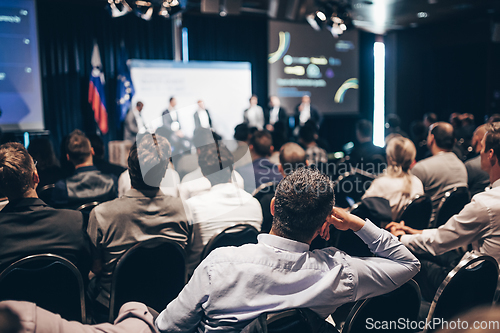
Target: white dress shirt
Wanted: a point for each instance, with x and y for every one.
(234, 285)
(255, 117)
(195, 183)
(477, 224)
(273, 117)
(305, 114)
(204, 121)
(222, 206)
(168, 184)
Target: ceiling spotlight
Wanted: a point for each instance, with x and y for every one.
(146, 13)
(422, 15)
(119, 8)
(313, 22)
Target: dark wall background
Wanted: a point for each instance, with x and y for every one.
(443, 69)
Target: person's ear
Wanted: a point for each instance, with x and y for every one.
(492, 157)
(35, 178)
(280, 169)
(272, 149)
(67, 157)
(307, 162)
(271, 205)
(92, 151)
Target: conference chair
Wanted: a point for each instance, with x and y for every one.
(45, 193)
(403, 302)
(86, 209)
(350, 187)
(264, 193)
(417, 213)
(289, 321)
(50, 281)
(452, 203)
(235, 235)
(473, 282)
(152, 272)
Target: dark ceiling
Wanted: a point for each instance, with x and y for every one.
(376, 16)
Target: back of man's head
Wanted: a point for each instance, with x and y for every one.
(492, 138)
(241, 132)
(79, 148)
(262, 143)
(303, 200)
(364, 128)
(16, 170)
(292, 157)
(430, 117)
(216, 162)
(148, 161)
(443, 135)
(307, 133)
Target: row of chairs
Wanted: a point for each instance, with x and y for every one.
(152, 272)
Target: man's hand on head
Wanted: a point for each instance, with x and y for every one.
(343, 220)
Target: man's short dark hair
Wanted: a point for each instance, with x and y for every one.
(79, 147)
(307, 133)
(262, 141)
(241, 132)
(492, 138)
(303, 201)
(16, 170)
(364, 128)
(216, 162)
(292, 157)
(171, 98)
(148, 161)
(443, 135)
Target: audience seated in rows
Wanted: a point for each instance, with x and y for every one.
(477, 224)
(443, 170)
(27, 224)
(234, 285)
(365, 155)
(87, 184)
(397, 184)
(477, 178)
(144, 212)
(47, 166)
(307, 138)
(23, 317)
(261, 170)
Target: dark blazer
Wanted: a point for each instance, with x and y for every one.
(197, 123)
(315, 116)
(282, 115)
(130, 127)
(29, 226)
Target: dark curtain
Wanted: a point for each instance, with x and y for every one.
(67, 30)
(236, 38)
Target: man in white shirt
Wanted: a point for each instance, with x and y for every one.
(478, 224)
(254, 115)
(202, 117)
(275, 114)
(234, 285)
(443, 170)
(224, 204)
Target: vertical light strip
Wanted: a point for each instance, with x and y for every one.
(379, 94)
(26, 139)
(185, 47)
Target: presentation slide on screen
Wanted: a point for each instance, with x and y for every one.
(303, 61)
(224, 87)
(20, 92)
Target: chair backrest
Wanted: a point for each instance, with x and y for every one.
(236, 235)
(297, 321)
(471, 283)
(152, 272)
(45, 193)
(86, 209)
(351, 185)
(417, 213)
(452, 203)
(264, 194)
(403, 302)
(50, 281)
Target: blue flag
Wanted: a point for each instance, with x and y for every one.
(125, 88)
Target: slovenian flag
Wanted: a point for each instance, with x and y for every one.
(125, 88)
(96, 92)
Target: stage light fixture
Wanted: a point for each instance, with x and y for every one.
(145, 9)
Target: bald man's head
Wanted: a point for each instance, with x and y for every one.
(477, 137)
(443, 135)
(292, 157)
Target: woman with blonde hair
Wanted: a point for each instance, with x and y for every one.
(397, 184)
